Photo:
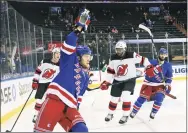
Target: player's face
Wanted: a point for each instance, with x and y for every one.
(57, 55)
(163, 56)
(85, 60)
(120, 51)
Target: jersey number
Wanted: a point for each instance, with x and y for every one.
(48, 73)
(122, 70)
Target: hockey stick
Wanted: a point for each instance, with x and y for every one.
(20, 113)
(88, 89)
(154, 50)
(151, 35)
(170, 95)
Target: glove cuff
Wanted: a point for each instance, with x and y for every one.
(106, 82)
(77, 29)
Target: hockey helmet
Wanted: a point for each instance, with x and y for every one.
(163, 51)
(56, 50)
(121, 44)
(120, 47)
(164, 54)
(81, 50)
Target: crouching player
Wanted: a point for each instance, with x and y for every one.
(157, 83)
(66, 90)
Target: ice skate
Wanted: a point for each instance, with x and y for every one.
(152, 115)
(132, 115)
(34, 118)
(109, 117)
(123, 119)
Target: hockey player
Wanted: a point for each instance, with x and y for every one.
(157, 82)
(66, 90)
(122, 67)
(44, 74)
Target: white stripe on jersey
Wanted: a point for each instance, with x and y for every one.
(68, 48)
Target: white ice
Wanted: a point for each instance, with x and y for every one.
(170, 118)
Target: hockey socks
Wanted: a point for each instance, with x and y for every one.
(137, 105)
(38, 105)
(126, 106)
(112, 106)
(157, 104)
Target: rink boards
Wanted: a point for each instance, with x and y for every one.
(15, 92)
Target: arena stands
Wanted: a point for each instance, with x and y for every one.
(32, 27)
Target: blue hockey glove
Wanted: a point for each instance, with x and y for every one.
(167, 89)
(83, 19)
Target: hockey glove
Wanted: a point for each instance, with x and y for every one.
(151, 71)
(167, 89)
(104, 85)
(83, 19)
(35, 84)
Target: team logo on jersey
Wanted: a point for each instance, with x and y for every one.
(48, 73)
(77, 82)
(77, 70)
(77, 65)
(78, 90)
(77, 76)
(122, 70)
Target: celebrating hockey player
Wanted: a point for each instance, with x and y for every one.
(122, 67)
(65, 92)
(44, 74)
(157, 83)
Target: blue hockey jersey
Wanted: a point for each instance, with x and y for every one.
(71, 82)
(160, 78)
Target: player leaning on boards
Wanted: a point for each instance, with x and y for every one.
(66, 90)
(157, 83)
(120, 68)
(44, 74)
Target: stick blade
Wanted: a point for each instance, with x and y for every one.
(141, 26)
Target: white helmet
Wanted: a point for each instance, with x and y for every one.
(121, 44)
(56, 50)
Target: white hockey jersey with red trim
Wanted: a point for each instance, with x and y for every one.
(46, 71)
(122, 68)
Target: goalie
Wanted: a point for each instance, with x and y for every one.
(122, 67)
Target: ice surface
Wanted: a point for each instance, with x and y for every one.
(170, 118)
